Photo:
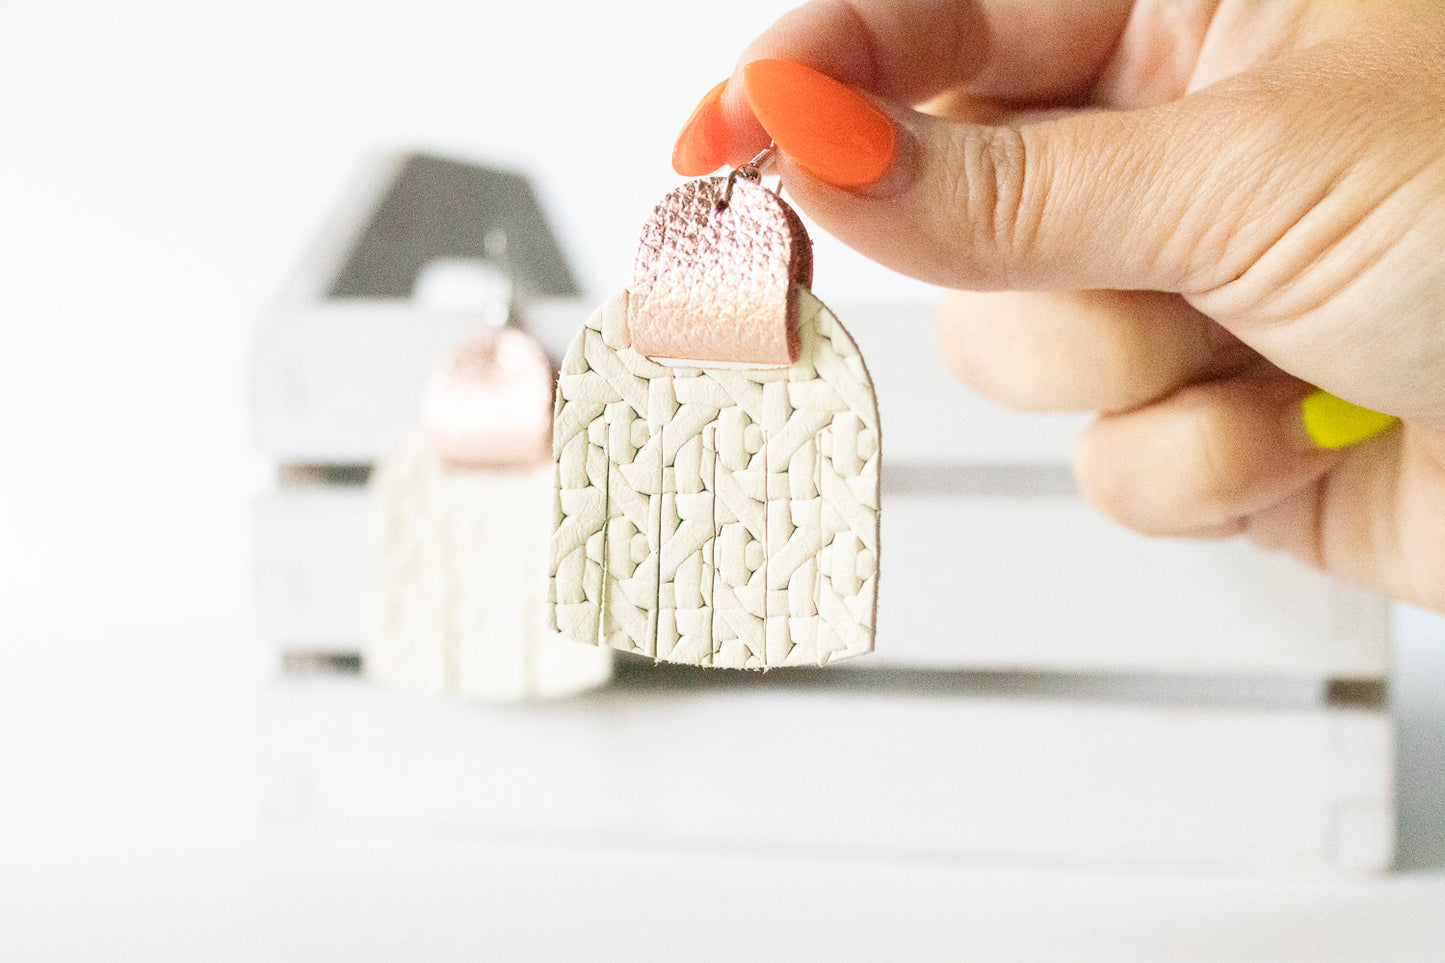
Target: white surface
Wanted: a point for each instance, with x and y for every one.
(170, 162)
(337, 897)
(130, 837)
(1024, 582)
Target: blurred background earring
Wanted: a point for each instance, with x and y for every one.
(461, 514)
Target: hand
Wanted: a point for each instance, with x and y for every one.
(1189, 213)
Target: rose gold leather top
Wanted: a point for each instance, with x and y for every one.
(712, 281)
(489, 403)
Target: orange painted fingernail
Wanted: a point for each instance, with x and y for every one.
(697, 150)
(835, 133)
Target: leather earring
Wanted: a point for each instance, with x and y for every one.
(460, 518)
(716, 442)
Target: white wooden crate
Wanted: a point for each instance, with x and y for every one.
(1221, 748)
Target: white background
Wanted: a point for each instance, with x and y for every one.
(162, 166)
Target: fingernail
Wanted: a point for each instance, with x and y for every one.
(832, 131)
(698, 151)
(1333, 422)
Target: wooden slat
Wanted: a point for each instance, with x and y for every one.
(967, 581)
(765, 763)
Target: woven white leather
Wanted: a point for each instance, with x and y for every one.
(717, 517)
(460, 600)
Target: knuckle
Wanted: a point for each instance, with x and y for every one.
(963, 363)
(1210, 469)
(993, 165)
(1020, 384)
(1170, 477)
(971, 350)
(1098, 474)
(1007, 159)
(1009, 347)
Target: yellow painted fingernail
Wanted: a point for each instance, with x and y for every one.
(1333, 422)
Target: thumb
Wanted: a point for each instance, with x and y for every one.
(1185, 197)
